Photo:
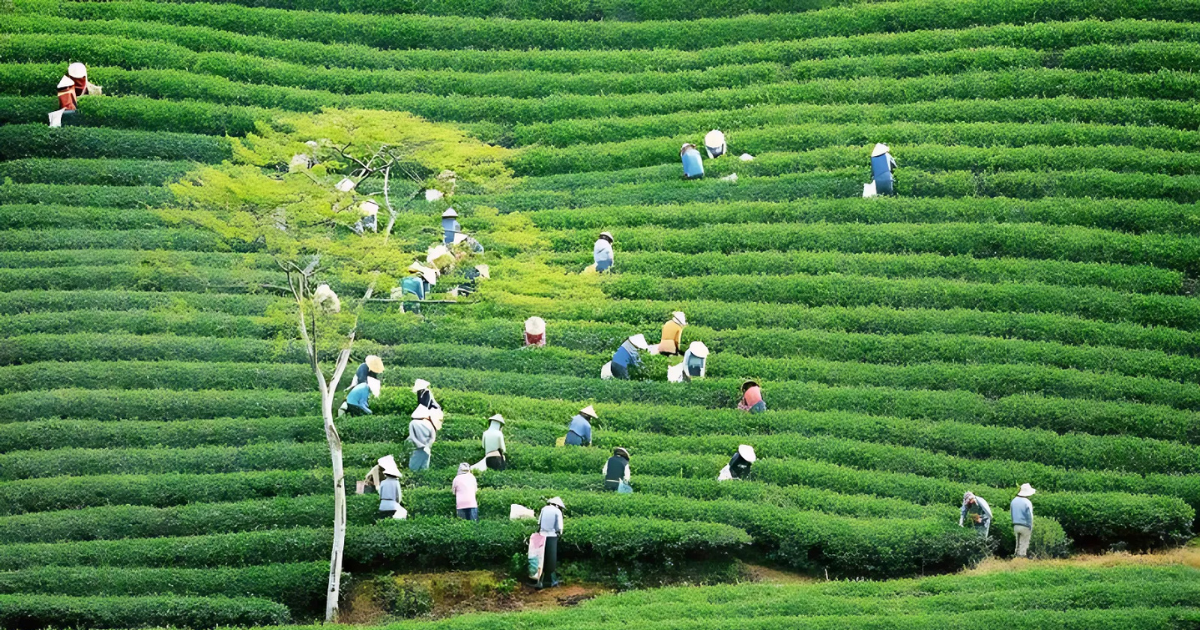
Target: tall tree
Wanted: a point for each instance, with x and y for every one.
(288, 192)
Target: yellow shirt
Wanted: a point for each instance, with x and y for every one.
(672, 337)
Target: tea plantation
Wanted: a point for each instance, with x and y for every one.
(1022, 311)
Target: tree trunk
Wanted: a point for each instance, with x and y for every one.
(339, 508)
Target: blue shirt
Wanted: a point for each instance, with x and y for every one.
(1022, 512)
(882, 167)
(450, 227)
(359, 395)
(581, 427)
(389, 494)
(626, 355)
(695, 364)
(415, 286)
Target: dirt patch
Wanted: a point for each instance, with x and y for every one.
(759, 573)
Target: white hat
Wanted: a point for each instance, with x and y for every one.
(449, 214)
(747, 453)
(588, 411)
(697, 348)
(498, 418)
(433, 194)
(430, 275)
(556, 501)
(421, 412)
(639, 341)
(535, 325)
(369, 207)
(436, 416)
(714, 139)
(65, 83)
(374, 363)
(607, 235)
(388, 464)
(419, 385)
(485, 271)
(679, 317)
(77, 70)
(879, 150)
(1026, 490)
(459, 237)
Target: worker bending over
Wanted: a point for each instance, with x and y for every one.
(693, 165)
(883, 168)
(695, 360)
(450, 226)
(493, 444)
(422, 432)
(579, 431)
(752, 399)
(672, 334)
(978, 511)
(357, 399)
(419, 282)
(464, 488)
(424, 394)
(369, 370)
(535, 332)
(616, 472)
(626, 356)
(739, 466)
(714, 144)
(602, 252)
(550, 525)
(389, 488)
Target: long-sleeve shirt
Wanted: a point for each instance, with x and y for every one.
(362, 374)
(581, 427)
(604, 469)
(422, 434)
(389, 494)
(981, 508)
(602, 250)
(425, 397)
(465, 486)
(694, 365)
(627, 355)
(493, 440)
(450, 227)
(672, 337)
(550, 521)
(1022, 512)
(359, 396)
(414, 285)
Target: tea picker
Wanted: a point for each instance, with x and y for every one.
(739, 466)
(978, 511)
(424, 394)
(752, 399)
(579, 431)
(389, 491)
(450, 226)
(550, 527)
(419, 282)
(626, 356)
(495, 452)
(693, 166)
(714, 144)
(468, 242)
(465, 487)
(535, 332)
(616, 472)
(672, 334)
(422, 432)
(78, 74)
(695, 360)
(369, 373)
(883, 167)
(472, 277)
(1022, 519)
(357, 399)
(67, 112)
(602, 252)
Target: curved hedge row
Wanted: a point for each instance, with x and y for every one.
(64, 301)
(40, 141)
(93, 172)
(53, 611)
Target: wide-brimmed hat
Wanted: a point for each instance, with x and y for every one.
(485, 271)
(66, 82)
(387, 463)
(419, 385)
(1026, 490)
(879, 150)
(621, 452)
(639, 341)
(607, 236)
(687, 145)
(497, 418)
(464, 468)
(588, 411)
(748, 385)
(449, 214)
(557, 501)
(714, 138)
(436, 416)
(535, 325)
(374, 363)
(369, 207)
(967, 496)
(679, 317)
(459, 237)
(698, 349)
(747, 453)
(421, 412)
(77, 70)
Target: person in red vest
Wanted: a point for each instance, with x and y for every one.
(78, 74)
(67, 104)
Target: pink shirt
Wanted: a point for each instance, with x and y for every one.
(464, 487)
(753, 396)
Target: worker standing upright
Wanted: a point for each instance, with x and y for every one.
(883, 168)
(627, 356)
(616, 472)
(550, 525)
(422, 432)
(424, 394)
(752, 399)
(450, 226)
(579, 431)
(672, 334)
(465, 486)
(1022, 519)
(495, 453)
(389, 489)
(602, 252)
(978, 510)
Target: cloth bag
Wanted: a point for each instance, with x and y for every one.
(606, 371)
(624, 488)
(869, 190)
(401, 514)
(537, 555)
